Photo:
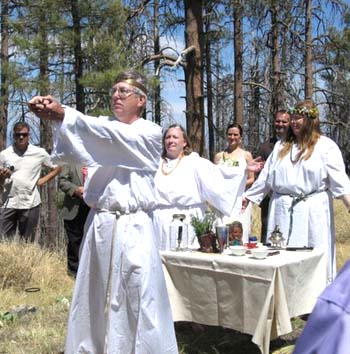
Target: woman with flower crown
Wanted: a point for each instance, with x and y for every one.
(185, 182)
(304, 173)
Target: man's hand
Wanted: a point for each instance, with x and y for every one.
(256, 165)
(4, 173)
(79, 192)
(46, 107)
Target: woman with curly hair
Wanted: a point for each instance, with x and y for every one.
(304, 173)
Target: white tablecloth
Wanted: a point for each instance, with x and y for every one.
(253, 296)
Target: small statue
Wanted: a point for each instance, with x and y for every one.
(276, 238)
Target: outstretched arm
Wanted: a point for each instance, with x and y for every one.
(46, 107)
(54, 172)
(217, 158)
(255, 165)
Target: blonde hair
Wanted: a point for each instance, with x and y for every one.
(187, 149)
(310, 132)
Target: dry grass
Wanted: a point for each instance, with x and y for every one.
(42, 332)
(24, 266)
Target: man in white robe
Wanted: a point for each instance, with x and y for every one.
(120, 303)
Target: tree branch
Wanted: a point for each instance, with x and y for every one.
(169, 60)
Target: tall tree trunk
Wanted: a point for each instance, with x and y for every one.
(277, 93)
(218, 106)
(157, 109)
(78, 57)
(254, 109)
(208, 69)
(48, 214)
(4, 90)
(287, 10)
(238, 74)
(194, 75)
(308, 50)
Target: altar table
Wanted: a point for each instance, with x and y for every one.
(253, 296)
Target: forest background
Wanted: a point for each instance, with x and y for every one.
(222, 61)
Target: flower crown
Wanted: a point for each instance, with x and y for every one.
(311, 112)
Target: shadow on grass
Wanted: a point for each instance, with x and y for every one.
(217, 340)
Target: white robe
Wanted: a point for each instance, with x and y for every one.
(319, 178)
(120, 303)
(186, 190)
(236, 214)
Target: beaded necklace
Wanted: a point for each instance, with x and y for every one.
(166, 173)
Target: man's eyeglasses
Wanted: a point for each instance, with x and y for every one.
(18, 135)
(123, 92)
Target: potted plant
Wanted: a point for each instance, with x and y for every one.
(203, 228)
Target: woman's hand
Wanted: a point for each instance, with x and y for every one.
(245, 203)
(256, 165)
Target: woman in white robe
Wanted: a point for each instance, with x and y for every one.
(186, 182)
(232, 156)
(120, 303)
(304, 174)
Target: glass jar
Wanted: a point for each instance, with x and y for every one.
(178, 233)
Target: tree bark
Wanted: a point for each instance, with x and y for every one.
(194, 75)
(48, 215)
(238, 59)
(208, 68)
(4, 90)
(308, 50)
(277, 93)
(157, 97)
(78, 57)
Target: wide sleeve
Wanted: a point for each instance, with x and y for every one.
(218, 184)
(339, 183)
(91, 141)
(261, 187)
(47, 160)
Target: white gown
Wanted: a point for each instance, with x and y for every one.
(188, 187)
(310, 222)
(120, 303)
(236, 215)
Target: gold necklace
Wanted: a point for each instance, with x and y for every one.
(165, 173)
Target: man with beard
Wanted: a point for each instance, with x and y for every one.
(281, 126)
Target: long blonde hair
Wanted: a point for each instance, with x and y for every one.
(309, 133)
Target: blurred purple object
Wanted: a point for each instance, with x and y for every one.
(327, 330)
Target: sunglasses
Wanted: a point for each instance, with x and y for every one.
(18, 135)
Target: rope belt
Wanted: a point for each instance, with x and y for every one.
(295, 200)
